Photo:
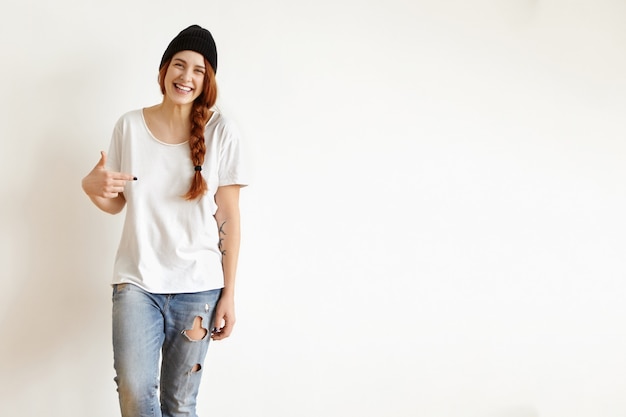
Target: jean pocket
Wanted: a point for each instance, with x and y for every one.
(120, 288)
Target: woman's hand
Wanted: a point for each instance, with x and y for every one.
(224, 317)
(105, 184)
(105, 188)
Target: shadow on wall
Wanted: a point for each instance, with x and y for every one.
(56, 305)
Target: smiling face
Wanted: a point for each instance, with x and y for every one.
(185, 77)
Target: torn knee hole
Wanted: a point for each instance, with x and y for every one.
(197, 332)
(196, 368)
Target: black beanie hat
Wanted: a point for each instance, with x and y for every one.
(194, 38)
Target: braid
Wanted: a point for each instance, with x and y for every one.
(200, 113)
(197, 146)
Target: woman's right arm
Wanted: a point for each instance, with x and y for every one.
(105, 188)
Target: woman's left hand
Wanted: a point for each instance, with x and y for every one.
(224, 318)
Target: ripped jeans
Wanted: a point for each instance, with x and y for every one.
(172, 327)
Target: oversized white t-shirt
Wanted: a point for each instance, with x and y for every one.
(169, 244)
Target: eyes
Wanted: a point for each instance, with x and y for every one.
(181, 66)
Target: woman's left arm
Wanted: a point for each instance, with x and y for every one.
(228, 223)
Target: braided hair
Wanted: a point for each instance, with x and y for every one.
(200, 114)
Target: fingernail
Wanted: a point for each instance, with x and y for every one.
(134, 178)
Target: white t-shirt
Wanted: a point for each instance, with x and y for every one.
(169, 244)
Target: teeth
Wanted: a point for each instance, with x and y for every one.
(182, 87)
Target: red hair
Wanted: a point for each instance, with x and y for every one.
(200, 113)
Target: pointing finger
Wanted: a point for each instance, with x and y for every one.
(120, 176)
(113, 175)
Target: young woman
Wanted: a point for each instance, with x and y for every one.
(177, 168)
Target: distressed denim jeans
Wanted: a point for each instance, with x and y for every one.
(159, 345)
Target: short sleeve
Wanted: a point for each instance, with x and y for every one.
(232, 161)
(114, 156)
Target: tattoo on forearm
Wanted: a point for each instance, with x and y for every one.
(220, 243)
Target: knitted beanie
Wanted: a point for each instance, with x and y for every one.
(194, 38)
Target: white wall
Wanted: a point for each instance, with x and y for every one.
(435, 226)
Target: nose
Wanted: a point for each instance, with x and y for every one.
(186, 76)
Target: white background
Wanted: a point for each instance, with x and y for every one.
(435, 225)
